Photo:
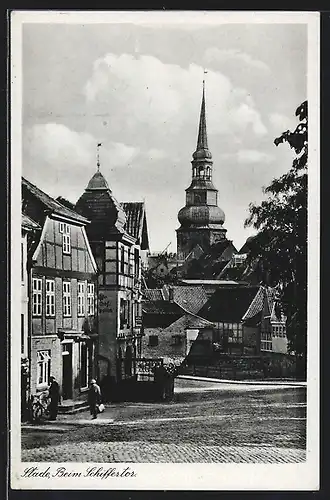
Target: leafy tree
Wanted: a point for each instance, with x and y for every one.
(280, 245)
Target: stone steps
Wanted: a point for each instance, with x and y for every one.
(70, 406)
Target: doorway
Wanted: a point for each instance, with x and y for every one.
(67, 371)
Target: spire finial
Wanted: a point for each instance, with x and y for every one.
(205, 73)
(202, 135)
(98, 155)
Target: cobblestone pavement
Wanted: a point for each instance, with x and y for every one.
(139, 452)
(249, 426)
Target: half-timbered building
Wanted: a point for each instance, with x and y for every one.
(63, 336)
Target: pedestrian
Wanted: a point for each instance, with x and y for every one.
(94, 398)
(55, 397)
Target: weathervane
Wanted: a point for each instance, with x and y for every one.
(205, 72)
(98, 155)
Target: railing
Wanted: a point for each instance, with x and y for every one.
(145, 368)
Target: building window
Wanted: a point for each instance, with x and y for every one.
(136, 262)
(153, 340)
(177, 339)
(50, 298)
(122, 260)
(66, 298)
(43, 367)
(279, 330)
(229, 332)
(36, 296)
(123, 313)
(81, 299)
(84, 365)
(22, 334)
(266, 342)
(90, 299)
(66, 239)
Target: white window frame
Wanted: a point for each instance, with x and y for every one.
(67, 299)
(84, 384)
(61, 227)
(90, 299)
(266, 343)
(81, 298)
(36, 296)
(43, 367)
(66, 239)
(50, 298)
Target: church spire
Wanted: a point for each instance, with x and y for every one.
(202, 134)
(202, 150)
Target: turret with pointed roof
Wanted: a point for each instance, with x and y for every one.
(201, 219)
(106, 214)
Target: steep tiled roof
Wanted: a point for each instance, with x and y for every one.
(29, 224)
(192, 321)
(210, 264)
(53, 205)
(153, 294)
(136, 224)
(256, 305)
(102, 209)
(229, 304)
(190, 298)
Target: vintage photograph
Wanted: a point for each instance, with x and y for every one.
(163, 168)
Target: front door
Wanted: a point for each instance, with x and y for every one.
(67, 371)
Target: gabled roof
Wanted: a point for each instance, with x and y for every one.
(211, 263)
(256, 305)
(153, 294)
(28, 224)
(50, 203)
(190, 298)
(192, 321)
(229, 304)
(136, 222)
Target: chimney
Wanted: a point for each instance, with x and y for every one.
(171, 294)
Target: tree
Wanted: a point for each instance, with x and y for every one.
(280, 244)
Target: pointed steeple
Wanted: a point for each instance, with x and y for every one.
(202, 134)
(202, 150)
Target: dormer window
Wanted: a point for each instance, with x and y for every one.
(66, 238)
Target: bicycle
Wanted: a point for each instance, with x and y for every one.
(39, 406)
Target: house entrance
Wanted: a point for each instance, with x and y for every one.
(67, 371)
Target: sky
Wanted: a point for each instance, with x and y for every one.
(137, 90)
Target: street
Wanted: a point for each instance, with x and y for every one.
(206, 422)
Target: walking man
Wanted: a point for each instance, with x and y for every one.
(94, 398)
(54, 394)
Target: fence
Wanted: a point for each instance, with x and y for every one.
(235, 367)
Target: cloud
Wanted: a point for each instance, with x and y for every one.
(281, 123)
(250, 156)
(214, 54)
(147, 99)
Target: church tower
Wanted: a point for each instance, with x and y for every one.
(201, 219)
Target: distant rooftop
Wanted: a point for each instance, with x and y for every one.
(210, 282)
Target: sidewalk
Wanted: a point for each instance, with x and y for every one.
(266, 383)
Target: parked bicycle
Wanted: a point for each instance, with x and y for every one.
(39, 406)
